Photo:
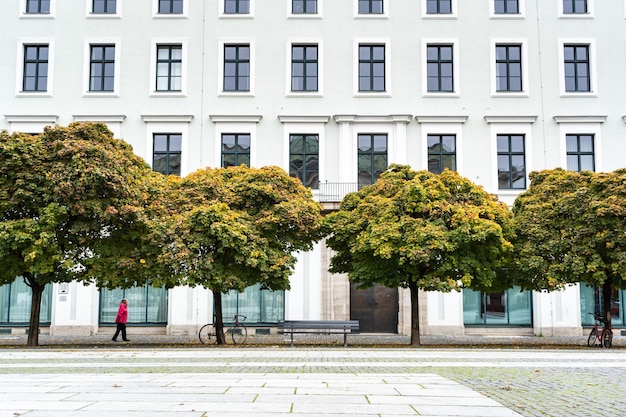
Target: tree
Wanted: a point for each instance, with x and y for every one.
(227, 229)
(571, 227)
(70, 209)
(419, 230)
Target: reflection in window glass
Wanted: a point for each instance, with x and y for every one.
(507, 308)
(146, 305)
(259, 306)
(16, 300)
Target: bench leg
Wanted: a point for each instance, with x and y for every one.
(345, 339)
(291, 338)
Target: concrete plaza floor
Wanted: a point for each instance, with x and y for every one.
(303, 381)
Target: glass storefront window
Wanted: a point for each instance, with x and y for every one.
(591, 301)
(15, 302)
(507, 308)
(146, 305)
(259, 306)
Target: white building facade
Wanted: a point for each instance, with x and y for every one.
(333, 91)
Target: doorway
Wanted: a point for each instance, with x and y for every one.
(376, 308)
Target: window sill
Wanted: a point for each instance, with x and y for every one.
(370, 94)
(236, 16)
(170, 16)
(34, 94)
(505, 16)
(371, 16)
(36, 16)
(432, 94)
(101, 94)
(590, 94)
(304, 94)
(507, 94)
(168, 94)
(304, 16)
(236, 94)
(440, 16)
(104, 16)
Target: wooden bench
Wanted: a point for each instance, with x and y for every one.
(319, 327)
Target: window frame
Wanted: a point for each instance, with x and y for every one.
(581, 125)
(386, 43)
(523, 44)
(171, 123)
(373, 153)
(156, 14)
(510, 154)
(384, 13)
(453, 15)
(304, 154)
(320, 65)
(441, 154)
(223, 43)
(223, 15)
(235, 152)
(305, 62)
(456, 74)
(20, 62)
(87, 92)
(183, 43)
(227, 124)
(92, 13)
(589, 14)
(24, 9)
(591, 68)
(304, 12)
(579, 153)
(521, 6)
(167, 153)
(442, 125)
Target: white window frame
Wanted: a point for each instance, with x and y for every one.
(588, 15)
(441, 125)
(453, 15)
(351, 125)
(20, 67)
(183, 42)
(305, 125)
(509, 125)
(229, 124)
(525, 74)
(177, 124)
(87, 70)
(221, 15)
(91, 15)
(292, 15)
(113, 122)
(581, 125)
(521, 5)
(591, 43)
(355, 78)
(384, 15)
(456, 70)
(30, 123)
(320, 66)
(23, 15)
(220, 69)
(157, 15)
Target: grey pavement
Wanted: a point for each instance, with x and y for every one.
(270, 380)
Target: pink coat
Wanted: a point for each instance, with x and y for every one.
(122, 314)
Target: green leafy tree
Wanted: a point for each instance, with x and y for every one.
(571, 227)
(70, 209)
(227, 229)
(418, 230)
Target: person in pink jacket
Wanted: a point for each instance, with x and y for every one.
(120, 320)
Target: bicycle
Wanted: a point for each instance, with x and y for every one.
(599, 337)
(237, 331)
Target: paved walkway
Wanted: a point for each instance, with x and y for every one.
(302, 381)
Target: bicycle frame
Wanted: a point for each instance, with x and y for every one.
(600, 337)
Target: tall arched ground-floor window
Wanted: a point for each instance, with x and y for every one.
(507, 308)
(591, 301)
(257, 305)
(15, 302)
(147, 305)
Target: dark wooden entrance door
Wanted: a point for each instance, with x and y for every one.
(376, 308)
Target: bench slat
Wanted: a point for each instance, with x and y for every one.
(319, 326)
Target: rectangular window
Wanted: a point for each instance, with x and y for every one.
(236, 6)
(440, 68)
(169, 68)
(256, 304)
(37, 6)
(512, 307)
(304, 6)
(441, 153)
(506, 6)
(438, 6)
(235, 149)
(577, 68)
(35, 76)
(104, 6)
(304, 159)
(575, 7)
(511, 162)
(236, 68)
(508, 68)
(304, 68)
(170, 6)
(371, 67)
(148, 304)
(371, 7)
(102, 68)
(372, 157)
(580, 152)
(15, 302)
(167, 153)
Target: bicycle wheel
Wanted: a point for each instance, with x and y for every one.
(607, 338)
(207, 334)
(591, 341)
(239, 333)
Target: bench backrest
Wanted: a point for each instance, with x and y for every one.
(319, 324)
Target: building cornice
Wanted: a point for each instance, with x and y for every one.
(232, 118)
(303, 119)
(354, 118)
(580, 119)
(31, 118)
(169, 118)
(510, 119)
(99, 118)
(441, 119)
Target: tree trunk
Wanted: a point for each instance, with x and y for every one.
(607, 292)
(415, 317)
(219, 320)
(35, 309)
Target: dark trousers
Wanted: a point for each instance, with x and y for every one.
(121, 327)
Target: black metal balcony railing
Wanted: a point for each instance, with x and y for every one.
(334, 192)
